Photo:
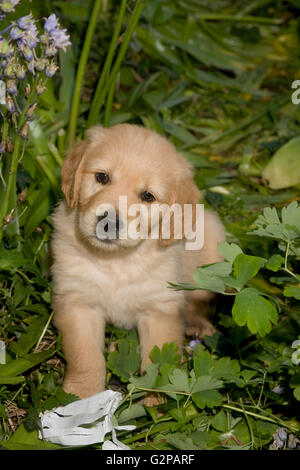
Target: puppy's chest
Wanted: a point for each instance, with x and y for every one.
(125, 290)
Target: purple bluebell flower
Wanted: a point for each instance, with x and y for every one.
(8, 5)
(4, 48)
(40, 88)
(50, 50)
(40, 64)
(31, 37)
(31, 110)
(11, 87)
(25, 22)
(26, 51)
(3, 63)
(9, 70)
(60, 39)
(16, 33)
(51, 69)
(51, 23)
(193, 343)
(10, 104)
(31, 66)
(20, 72)
(24, 131)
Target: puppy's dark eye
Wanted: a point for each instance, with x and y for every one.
(148, 197)
(102, 178)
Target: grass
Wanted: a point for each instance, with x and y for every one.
(216, 79)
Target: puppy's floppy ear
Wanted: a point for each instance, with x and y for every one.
(186, 193)
(71, 172)
(73, 165)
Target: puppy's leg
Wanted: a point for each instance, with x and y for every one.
(82, 330)
(198, 303)
(157, 328)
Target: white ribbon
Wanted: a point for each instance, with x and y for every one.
(84, 422)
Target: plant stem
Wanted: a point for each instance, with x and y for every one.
(81, 71)
(109, 103)
(9, 199)
(102, 92)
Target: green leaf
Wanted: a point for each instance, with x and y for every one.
(291, 215)
(167, 355)
(229, 250)
(292, 291)
(254, 310)
(245, 267)
(218, 269)
(202, 362)
(206, 281)
(18, 366)
(219, 422)
(30, 338)
(24, 440)
(209, 398)
(275, 263)
(179, 381)
(296, 393)
(11, 259)
(132, 412)
(148, 380)
(126, 361)
(11, 380)
(283, 170)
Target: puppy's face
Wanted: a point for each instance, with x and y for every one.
(115, 179)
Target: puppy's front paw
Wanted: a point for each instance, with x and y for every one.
(203, 328)
(82, 388)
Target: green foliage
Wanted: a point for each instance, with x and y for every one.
(217, 84)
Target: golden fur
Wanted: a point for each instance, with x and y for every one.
(123, 283)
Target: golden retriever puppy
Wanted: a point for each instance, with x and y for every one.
(124, 280)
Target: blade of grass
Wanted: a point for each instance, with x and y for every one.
(92, 118)
(99, 100)
(81, 71)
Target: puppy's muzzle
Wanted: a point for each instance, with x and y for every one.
(108, 227)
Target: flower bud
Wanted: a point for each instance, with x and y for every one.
(31, 110)
(9, 70)
(8, 6)
(10, 104)
(51, 69)
(24, 131)
(4, 48)
(27, 90)
(22, 196)
(20, 72)
(25, 22)
(11, 87)
(16, 33)
(50, 51)
(31, 66)
(9, 145)
(40, 65)
(27, 53)
(44, 39)
(40, 88)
